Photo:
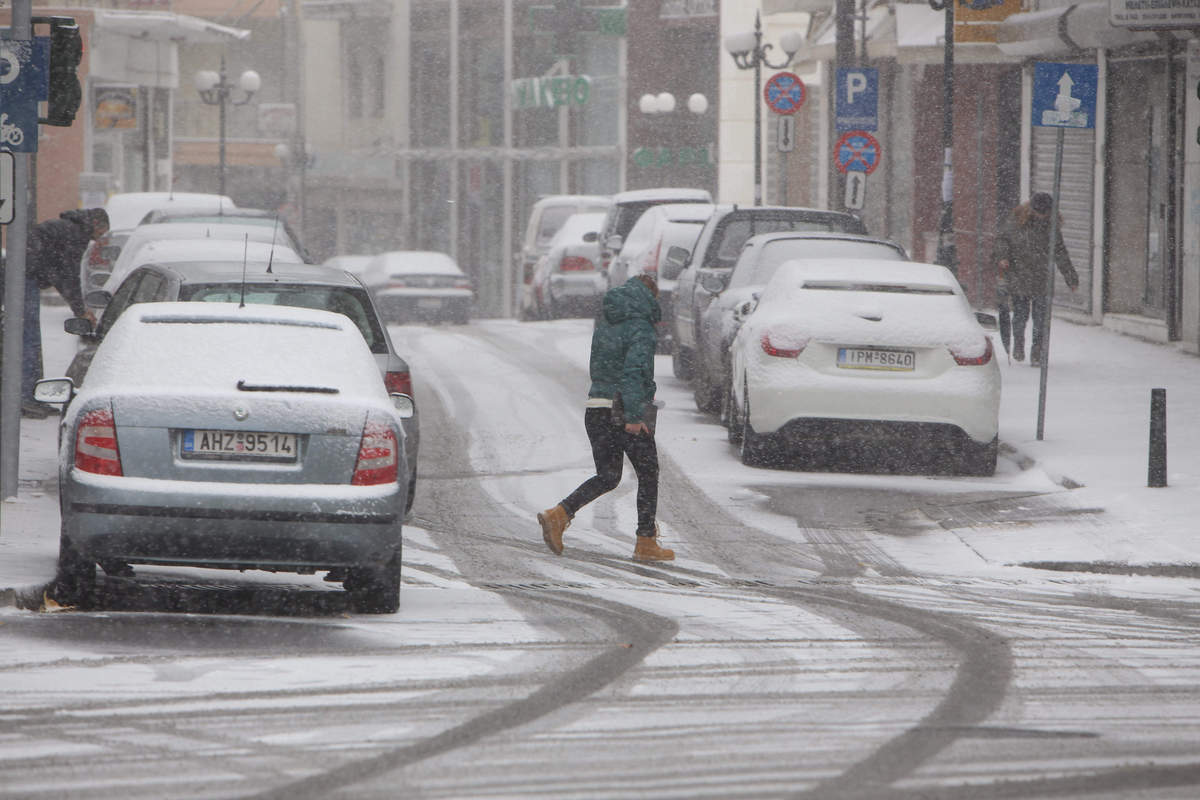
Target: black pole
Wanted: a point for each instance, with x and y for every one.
(222, 95)
(758, 59)
(1158, 439)
(947, 254)
(1172, 257)
(844, 58)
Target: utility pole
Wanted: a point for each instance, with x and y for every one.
(844, 57)
(947, 252)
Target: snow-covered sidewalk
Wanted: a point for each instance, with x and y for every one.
(1095, 444)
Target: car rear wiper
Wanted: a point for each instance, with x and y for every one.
(265, 387)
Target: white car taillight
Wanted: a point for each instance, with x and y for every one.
(974, 360)
(782, 345)
(96, 443)
(378, 455)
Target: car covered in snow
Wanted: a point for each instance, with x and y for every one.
(419, 285)
(566, 279)
(840, 355)
(229, 436)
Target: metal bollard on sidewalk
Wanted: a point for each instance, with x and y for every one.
(1158, 438)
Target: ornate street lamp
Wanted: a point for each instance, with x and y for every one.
(215, 90)
(749, 52)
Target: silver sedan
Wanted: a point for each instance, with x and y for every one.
(233, 437)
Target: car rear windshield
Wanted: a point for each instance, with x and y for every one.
(891, 288)
(734, 231)
(776, 252)
(347, 301)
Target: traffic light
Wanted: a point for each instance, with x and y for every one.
(65, 93)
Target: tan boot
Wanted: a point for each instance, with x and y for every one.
(554, 521)
(647, 549)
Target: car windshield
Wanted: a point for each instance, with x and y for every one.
(768, 258)
(350, 302)
(735, 232)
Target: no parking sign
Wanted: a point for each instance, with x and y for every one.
(857, 151)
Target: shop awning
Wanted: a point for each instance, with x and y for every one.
(140, 48)
(1064, 30)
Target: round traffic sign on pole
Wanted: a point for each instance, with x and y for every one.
(857, 151)
(784, 93)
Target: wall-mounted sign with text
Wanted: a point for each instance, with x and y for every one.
(1154, 13)
(116, 108)
(551, 92)
(687, 9)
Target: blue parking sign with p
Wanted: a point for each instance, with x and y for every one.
(856, 106)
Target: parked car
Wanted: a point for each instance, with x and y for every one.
(125, 212)
(839, 353)
(419, 285)
(657, 230)
(190, 241)
(229, 216)
(285, 284)
(761, 257)
(546, 216)
(627, 207)
(718, 247)
(232, 437)
(566, 280)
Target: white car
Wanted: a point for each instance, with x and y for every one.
(131, 254)
(354, 264)
(567, 279)
(170, 251)
(419, 284)
(859, 353)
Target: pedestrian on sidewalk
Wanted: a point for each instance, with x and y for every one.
(619, 414)
(1023, 261)
(52, 258)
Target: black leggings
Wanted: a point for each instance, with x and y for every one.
(610, 445)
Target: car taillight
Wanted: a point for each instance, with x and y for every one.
(575, 264)
(974, 361)
(378, 455)
(397, 282)
(462, 283)
(96, 443)
(782, 346)
(398, 382)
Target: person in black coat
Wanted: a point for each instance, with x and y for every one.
(52, 258)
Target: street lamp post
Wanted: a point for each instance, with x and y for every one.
(749, 52)
(215, 90)
(947, 251)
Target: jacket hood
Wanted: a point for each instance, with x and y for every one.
(631, 300)
(86, 218)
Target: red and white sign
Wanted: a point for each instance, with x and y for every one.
(785, 93)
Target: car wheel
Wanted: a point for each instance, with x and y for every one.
(75, 578)
(708, 398)
(375, 590)
(979, 459)
(681, 363)
(757, 448)
(733, 418)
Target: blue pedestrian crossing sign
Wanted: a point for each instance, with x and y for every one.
(1064, 95)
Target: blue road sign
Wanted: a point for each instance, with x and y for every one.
(1064, 95)
(857, 151)
(24, 80)
(857, 100)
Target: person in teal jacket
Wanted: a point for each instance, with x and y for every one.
(619, 414)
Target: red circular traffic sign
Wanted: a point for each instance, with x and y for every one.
(785, 93)
(857, 151)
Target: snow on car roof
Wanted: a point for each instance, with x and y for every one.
(164, 347)
(579, 224)
(173, 250)
(126, 210)
(640, 195)
(428, 262)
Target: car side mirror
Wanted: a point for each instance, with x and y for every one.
(673, 264)
(745, 309)
(98, 298)
(591, 236)
(54, 390)
(714, 282)
(613, 243)
(987, 321)
(78, 326)
(403, 404)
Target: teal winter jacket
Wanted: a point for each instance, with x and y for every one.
(623, 345)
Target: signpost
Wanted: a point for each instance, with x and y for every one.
(8, 189)
(857, 151)
(857, 100)
(784, 93)
(786, 135)
(1064, 96)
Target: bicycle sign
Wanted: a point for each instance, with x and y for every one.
(857, 151)
(10, 134)
(784, 93)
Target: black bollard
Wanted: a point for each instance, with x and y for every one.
(1158, 438)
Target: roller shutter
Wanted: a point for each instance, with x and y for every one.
(1074, 201)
